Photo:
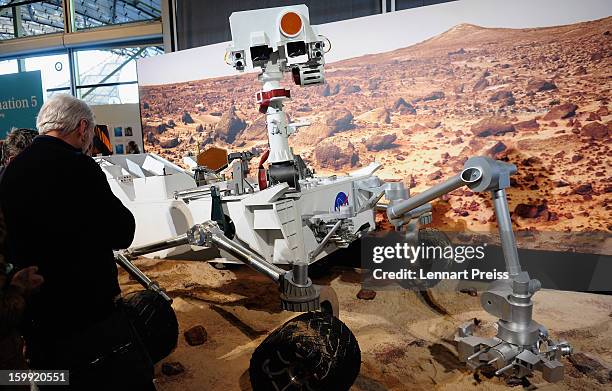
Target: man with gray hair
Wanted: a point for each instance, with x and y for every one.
(68, 119)
(62, 217)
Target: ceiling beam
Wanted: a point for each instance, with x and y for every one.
(134, 34)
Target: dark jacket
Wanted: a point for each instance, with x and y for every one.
(62, 217)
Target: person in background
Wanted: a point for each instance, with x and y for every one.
(15, 287)
(16, 141)
(62, 217)
(14, 290)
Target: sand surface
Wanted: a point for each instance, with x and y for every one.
(406, 343)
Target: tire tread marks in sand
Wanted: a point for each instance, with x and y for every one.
(236, 322)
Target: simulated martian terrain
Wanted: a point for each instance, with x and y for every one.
(406, 338)
(538, 98)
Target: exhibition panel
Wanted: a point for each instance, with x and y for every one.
(304, 195)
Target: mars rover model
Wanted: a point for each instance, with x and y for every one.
(286, 218)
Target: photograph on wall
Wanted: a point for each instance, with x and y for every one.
(119, 149)
(101, 144)
(123, 121)
(132, 148)
(466, 84)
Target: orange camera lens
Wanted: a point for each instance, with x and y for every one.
(291, 24)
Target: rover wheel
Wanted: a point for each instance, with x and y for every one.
(154, 321)
(328, 300)
(429, 237)
(313, 351)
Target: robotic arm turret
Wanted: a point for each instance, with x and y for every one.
(278, 40)
(521, 344)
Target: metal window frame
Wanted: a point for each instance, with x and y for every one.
(168, 12)
(71, 40)
(134, 34)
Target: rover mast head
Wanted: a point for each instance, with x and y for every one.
(282, 36)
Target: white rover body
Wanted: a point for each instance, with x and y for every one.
(289, 216)
(281, 225)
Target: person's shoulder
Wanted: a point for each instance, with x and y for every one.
(18, 165)
(88, 163)
(37, 151)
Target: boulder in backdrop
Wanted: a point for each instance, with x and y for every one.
(186, 118)
(562, 111)
(380, 142)
(334, 156)
(540, 85)
(595, 130)
(229, 126)
(379, 115)
(492, 126)
(403, 107)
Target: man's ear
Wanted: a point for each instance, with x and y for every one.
(82, 126)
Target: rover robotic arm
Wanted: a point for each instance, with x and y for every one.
(521, 344)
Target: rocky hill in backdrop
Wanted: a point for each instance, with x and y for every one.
(538, 97)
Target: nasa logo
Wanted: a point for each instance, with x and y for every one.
(341, 199)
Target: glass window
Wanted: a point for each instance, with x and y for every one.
(88, 14)
(54, 69)
(105, 66)
(406, 4)
(32, 18)
(109, 75)
(8, 66)
(114, 94)
(50, 93)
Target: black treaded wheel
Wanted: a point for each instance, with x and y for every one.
(313, 351)
(155, 322)
(429, 237)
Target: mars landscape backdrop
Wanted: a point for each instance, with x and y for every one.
(536, 97)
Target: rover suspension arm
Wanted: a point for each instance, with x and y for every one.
(397, 211)
(139, 276)
(298, 293)
(209, 234)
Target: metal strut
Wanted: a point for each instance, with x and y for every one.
(139, 276)
(298, 293)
